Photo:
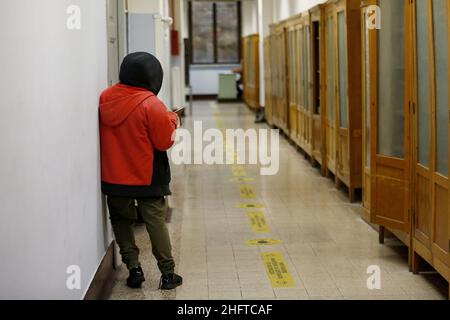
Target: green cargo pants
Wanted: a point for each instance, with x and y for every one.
(123, 215)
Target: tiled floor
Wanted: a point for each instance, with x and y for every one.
(326, 246)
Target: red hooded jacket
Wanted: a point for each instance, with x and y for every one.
(133, 123)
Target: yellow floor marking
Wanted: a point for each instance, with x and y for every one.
(276, 269)
(247, 192)
(241, 179)
(238, 171)
(250, 205)
(274, 262)
(258, 222)
(263, 242)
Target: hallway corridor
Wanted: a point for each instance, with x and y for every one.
(320, 237)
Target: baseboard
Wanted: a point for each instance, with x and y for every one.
(208, 97)
(103, 282)
(203, 97)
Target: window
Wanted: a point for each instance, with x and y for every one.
(215, 32)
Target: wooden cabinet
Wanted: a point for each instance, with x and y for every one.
(318, 100)
(368, 99)
(304, 87)
(292, 27)
(406, 88)
(250, 65)
(299, 68)
(387, 88)
(430, 132)
(318, 84)
(280, 114)
(299, 80)
(343, 121)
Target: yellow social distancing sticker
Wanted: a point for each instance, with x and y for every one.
(247, 192)
(250, 205)
(238, 171)
(277, 270)
(241, 179)
(258, 222)
(263, 242)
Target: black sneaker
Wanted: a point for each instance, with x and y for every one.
(170, 281)
(136, 278)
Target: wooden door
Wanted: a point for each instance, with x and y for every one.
(301, 83)
(422, 122)
(280, 78)
(268, 82)
(293, 75)
(255, 73)
(430, 123)
(298, 86)
(366, 80)
(284, 94)
(390, 134)
(342, 107)
(330, 109)
(245, 62)
(275, 79)
(307, 87)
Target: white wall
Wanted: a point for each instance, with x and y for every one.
(249, 13)
(283, 9)
(267, 18)
(145, 6)
(50, 195)
(205, 79)
(162, 40)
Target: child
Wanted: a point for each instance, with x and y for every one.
(136, 131)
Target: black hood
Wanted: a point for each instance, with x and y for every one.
(142, 70)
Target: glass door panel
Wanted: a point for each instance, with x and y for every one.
(442, 112)
(423, 80)
(308, 67)
(273, 73)
(300, 66)
(330, 69)
(391, 120)
(305, 68)
(296, 65)
(292, 66)
(343, 103)
(282, 63)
